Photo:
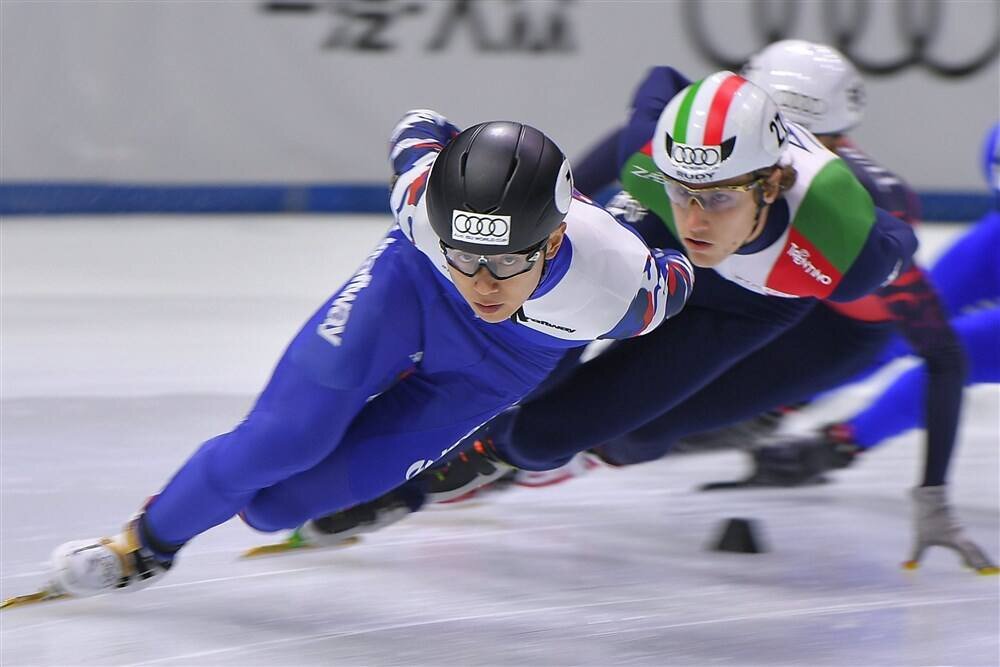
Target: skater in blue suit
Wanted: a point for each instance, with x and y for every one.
(493, 269)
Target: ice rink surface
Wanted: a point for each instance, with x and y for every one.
(128, 341)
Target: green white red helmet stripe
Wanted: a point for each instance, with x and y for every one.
(717, 129)
(681, 123)
(719, 109)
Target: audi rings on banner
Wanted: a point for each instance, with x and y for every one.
(918, 28)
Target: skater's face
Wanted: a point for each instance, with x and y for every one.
(714, 221)
(496, 300)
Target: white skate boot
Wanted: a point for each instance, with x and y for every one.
(83, 568)
(90, 567)
(578, 466)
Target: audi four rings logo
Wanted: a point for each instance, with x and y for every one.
(474, 224)
(919, 28)
(699, 157)
(806, 104)
(478, 228)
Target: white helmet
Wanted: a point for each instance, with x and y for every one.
(815, 85)
(718, 128)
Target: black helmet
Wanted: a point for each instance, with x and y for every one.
(498, 187)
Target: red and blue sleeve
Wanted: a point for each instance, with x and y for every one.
(419, 132)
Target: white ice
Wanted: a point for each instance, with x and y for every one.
(128, 341)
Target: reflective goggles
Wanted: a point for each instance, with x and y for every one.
(500, 267)
(721, 198)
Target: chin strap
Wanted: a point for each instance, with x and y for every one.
(541, 277)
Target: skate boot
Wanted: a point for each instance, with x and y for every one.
(579, 465)
(502, 483)
(334, 529)
(470, 470)
(798, 461)
(118, 564)
(343, 528)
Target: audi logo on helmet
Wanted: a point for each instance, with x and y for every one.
(475, 224)
(793, 101)
(856, 96)
(699, 157)
(480, 228)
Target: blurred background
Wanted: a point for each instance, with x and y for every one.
(242, 105)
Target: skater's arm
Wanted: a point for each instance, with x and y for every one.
(419, 135)
(923, 322)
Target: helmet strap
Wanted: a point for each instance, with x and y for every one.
(544, 259)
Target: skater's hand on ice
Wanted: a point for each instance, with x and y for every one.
(936, 526)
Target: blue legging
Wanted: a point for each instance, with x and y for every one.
(968, 273)
(316, 441)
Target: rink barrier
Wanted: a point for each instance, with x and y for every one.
(121, 199)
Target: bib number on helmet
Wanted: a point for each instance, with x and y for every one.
(778, 129)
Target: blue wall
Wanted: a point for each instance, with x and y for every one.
(115, 198)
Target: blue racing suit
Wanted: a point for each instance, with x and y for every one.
(394, 369)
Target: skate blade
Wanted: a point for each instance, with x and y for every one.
(986, 571)
(292, 545)
(32, 598)
(750, 483)
(725, 486)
